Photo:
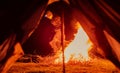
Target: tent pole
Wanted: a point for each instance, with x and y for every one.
(62, 41)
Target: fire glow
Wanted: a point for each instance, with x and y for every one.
(77, 50)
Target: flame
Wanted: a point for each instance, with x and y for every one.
(77, 50)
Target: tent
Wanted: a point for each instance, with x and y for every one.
(99, 18)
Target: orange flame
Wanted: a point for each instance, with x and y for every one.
(77, 50)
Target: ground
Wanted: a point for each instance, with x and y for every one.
(93, 66)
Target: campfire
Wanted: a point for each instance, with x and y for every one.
(77, 49)
(60, 36)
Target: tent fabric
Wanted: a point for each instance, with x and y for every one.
(5, 47)
(95, 16)
(114, 44)
(18, 20)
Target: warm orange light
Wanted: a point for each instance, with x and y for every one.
(77, 50)
(49, 15)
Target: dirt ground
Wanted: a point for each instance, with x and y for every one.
(94, 66)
